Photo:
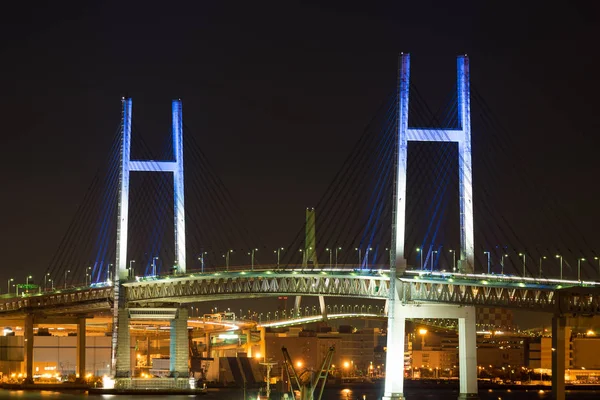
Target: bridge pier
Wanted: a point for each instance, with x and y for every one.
(558, 357)
(123, 356)
(467, 349)
(467, 354)
(179, 347)
(28, 343)
(80, 349)
(394, 363)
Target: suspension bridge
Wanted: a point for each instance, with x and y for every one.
(370, 228)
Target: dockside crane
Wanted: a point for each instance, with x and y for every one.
(307, 381)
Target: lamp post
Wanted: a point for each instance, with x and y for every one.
(487, 253)
(433, 253)
(421, 256)
(303, 254)
(226, 255)
(251, 254)
(453, 260)
(330, 256)
(389, 256)
(8, 285)
(422, 332)
(278, 254)
(359, 257)
(27, 279)
(598, 258)
(154, 259)
(88, 275)
(51, 284)
(131, 271)
(367, 256)
(502, 263)
(46, 280)
(541, 258)
(579, 260)
(201, 259)
(561, 265)
(336, 255)
(523, 255)
(66, 273)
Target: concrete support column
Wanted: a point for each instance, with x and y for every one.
(123, 356)
(323, 308)
(208, 345)
(297, 304)
(179, 345)
(467, 354)
(558, 357)
(28, 343)
(81, 348)
(394, 365)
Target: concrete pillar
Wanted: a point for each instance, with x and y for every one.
(467, 354)
(179, 345)
(558, 357)
(207, 340)
(81, 349)
(297, 304)
(323, 308)
(394, 365)
(123, 356)
(28, 343)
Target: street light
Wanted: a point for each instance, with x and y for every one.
(523, 255)
(421, 256)
(453, 260)
(8, 285)
(433, 253)
(154, 259)
(422, 332)
(389, 256)
(359, 256)
(330, 256)
(201, 259)
(502, 263)
(226, 255)
(487, 253)
(561, 265)
(336, 255)
(278, 252)
(251, 254)
(27, 279)
(579, 260)
(541, 258)
(66, 273)
(51, 284)
(46, 280)
(367, 256)
(131, 271)
(598, 258)
(88, 274)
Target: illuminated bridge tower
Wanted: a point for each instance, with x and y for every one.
(120, 338)
(398, 309)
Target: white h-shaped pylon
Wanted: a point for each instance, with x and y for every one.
(462, 136)
(128, 165)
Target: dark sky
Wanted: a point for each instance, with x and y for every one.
(277, 92)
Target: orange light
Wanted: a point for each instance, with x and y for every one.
(346, 364)
(299, 364)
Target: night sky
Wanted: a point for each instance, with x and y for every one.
(276, 93)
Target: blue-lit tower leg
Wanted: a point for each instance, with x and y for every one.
(120, 357)
(394, 365)
(178, 186)
(465, 178)
(399, 205)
